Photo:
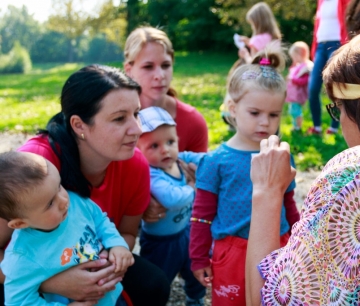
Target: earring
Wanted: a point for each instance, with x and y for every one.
(82, 136)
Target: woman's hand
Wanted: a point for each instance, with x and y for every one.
(154, 212)
(270, 169)
(80, 284)
(204, 276)
(189, 170)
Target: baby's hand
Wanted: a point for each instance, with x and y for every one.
(87, 303)
(121, 257)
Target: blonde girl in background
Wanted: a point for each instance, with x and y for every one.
(264, 30)
(297, 81)
(222, 207)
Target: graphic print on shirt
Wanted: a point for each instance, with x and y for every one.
(184, 212)
(87, 248)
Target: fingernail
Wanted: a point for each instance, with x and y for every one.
(103, 261)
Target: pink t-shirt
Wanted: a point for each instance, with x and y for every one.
(296, 90)
(126, 186)
(260, 41)
(191, 128)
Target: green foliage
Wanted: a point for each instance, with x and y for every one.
(28, 101)
(18, 25)
(16, 61)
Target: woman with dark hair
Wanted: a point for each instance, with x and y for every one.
(353, 18)
(320, 263)
(92, 142)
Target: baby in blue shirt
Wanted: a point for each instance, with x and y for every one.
(165, 243)
(53, 231)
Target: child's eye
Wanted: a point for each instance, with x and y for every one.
(170, 142)
(254, 113)
(148, 67)
(165, 66)
(274, 115)
(154, 146)
(136, 115)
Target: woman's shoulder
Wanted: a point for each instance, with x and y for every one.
(183, 109)
(40, 145)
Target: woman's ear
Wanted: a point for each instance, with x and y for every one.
(17, 223)
(77, 125)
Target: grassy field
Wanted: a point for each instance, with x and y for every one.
(28, 101)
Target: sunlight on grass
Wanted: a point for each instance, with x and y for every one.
(28, 101)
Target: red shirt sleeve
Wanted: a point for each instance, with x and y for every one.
(191, 128)
(292, 213)
(205, 207)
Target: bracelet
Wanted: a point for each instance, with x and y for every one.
(200, 220)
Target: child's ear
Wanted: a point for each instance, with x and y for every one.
(232, 107)
(17, 223)
(127, 68)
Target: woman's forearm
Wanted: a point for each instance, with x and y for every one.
(130, 240)
(263, 239)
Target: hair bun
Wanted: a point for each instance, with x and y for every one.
(274, 55)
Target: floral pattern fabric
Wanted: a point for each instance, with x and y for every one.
(320, 265)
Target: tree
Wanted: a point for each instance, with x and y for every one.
(69, 20)
(18, 25)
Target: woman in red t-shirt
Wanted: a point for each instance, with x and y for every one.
(149, 58)
(92, 142)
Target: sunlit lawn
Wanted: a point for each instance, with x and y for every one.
(28, 101)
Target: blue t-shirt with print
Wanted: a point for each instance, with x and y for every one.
(226, 172)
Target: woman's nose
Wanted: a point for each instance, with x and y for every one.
(135, 127)
(159, 73)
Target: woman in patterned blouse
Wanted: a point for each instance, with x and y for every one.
(320, 265)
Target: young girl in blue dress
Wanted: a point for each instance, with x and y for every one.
(222, 207)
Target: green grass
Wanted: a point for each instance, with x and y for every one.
(28, 101)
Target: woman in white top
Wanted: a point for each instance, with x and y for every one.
(329, 35)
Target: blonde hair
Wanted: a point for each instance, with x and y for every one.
(140, 37)
(258, 75)
(300, 48)
(263, 20)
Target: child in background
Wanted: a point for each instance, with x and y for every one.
(297, 81)
(265, 31)
(166, 242)
(54, 230)
(264, 28)
(222, 208)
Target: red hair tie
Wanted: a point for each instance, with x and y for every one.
(265, 61)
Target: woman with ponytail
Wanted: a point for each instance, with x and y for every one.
(92, 142)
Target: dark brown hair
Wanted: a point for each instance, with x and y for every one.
(18, 174)
(353, 18)
(344, 67)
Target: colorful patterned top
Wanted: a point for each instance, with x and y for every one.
(320, 264)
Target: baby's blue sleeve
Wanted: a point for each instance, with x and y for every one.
(23, 278)
(191, 157)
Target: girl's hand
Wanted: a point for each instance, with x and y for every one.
(154, 212)
(244, 39)
(80, 284)
(122, 258)
(244, 54)
(204, 276)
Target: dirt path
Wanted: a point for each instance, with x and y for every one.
(11, 141)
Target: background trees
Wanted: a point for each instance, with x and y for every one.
(193, 25)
